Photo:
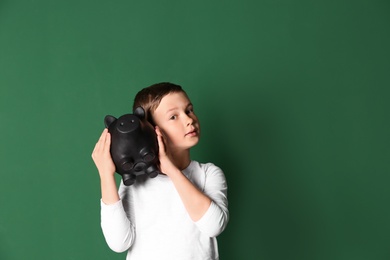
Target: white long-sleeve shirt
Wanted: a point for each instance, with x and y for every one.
(151, 222)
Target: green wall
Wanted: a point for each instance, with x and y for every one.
(293, 97)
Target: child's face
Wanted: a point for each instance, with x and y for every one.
(177, 121)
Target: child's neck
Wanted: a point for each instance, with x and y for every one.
(181, 159)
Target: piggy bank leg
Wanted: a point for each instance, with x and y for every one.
(128, 179)
(152, 171)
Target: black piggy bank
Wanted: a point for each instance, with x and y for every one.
(134, 147)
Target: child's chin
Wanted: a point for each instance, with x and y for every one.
(194, 141)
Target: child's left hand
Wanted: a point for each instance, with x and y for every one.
(166, 165)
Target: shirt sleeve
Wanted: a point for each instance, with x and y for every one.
(116, 226)
(214, 221)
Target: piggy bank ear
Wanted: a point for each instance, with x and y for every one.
(139, 112)
(108, 120)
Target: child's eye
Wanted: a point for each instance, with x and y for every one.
(173, 117)
(189, 111)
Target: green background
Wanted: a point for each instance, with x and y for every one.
(293, 97)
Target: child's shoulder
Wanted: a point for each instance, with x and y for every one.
(207, 175)
(207, 168)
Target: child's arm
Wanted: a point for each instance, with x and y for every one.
(209, 209)
(117, 229)
(214, 221)
(195, 202)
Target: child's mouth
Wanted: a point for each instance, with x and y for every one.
(192, 133)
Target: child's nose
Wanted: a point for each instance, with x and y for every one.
(190, 120)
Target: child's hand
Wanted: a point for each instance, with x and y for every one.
(166, 165)
(101, 155)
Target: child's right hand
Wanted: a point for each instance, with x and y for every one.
(102, 157)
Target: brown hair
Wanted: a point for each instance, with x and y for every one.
(149, 98)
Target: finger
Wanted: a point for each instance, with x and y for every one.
(161, 145)
(108, 138)
(107, 142)
(158, 131)
(104, 135)
(94, 149)
(101, 140)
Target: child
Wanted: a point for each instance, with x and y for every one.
(178, 214)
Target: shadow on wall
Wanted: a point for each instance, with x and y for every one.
(265, 202)
(2, 250)
(219, 147)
